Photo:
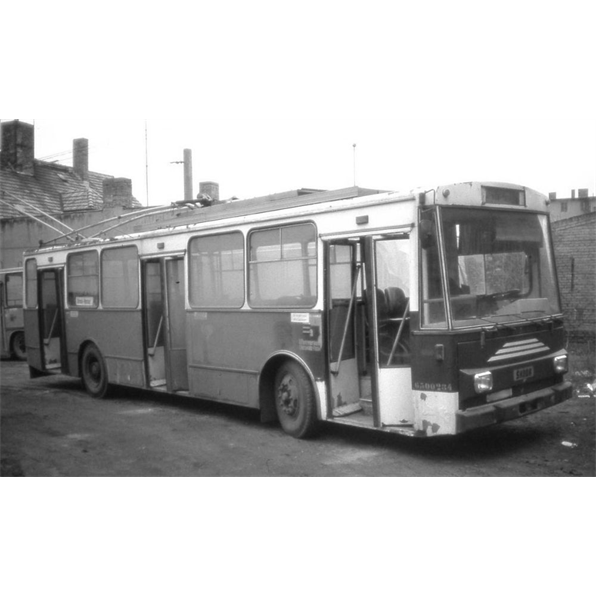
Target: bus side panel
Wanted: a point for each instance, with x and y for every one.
(227, 350)
(13, 319)
(119, 337)
(32, 339)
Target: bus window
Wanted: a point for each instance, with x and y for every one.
(433, 304)
(282, 267)
(31, 286)
(83, 279)
(120, 277)
(217, 271)
(14, 290)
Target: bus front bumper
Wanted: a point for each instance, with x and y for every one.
(512, 408)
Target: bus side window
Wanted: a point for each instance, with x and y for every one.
(283, 266)
(83, 279)
(31, 283)
(14, 290)
(433, 303)
(217, 271)
(120, 277)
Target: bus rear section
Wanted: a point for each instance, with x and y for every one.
(12, 333)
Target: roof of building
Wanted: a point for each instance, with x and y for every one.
(53, 188)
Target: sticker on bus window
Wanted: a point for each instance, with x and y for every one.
(84, 301)
(301, 317)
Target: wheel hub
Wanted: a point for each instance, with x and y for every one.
(287, 397)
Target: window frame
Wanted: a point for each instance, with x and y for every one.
(101, 278)
(7, 286)
(75, 306)
(229, 233)
(31, 285)
(304, 259)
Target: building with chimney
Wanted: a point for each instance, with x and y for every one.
(41, 200)
(578, 203)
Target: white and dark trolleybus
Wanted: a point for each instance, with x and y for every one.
(12, 333)
(422, 313)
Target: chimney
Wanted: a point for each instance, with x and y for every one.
(117, 192)
(573, 193)
(210, 189)
(582, 193)
(552, 196)
(80, 160)
(187, 175)
(18, 146)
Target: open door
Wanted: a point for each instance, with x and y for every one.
(176, 369)
(51, 318)
(368, 327)
(349, 383)
(165, 325)
(388, 269)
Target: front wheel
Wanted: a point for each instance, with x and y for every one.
(295, 401)
(94, 373)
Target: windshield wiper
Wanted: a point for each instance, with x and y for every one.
(492, 323)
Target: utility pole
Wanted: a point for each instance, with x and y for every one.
(146, 164)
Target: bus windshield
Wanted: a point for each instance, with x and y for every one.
(500, 266)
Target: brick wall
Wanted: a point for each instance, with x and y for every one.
(575, 253)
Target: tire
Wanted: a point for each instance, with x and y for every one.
(94, 373)
(18, 346)
(295, 401)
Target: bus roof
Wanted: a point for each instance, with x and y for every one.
(181, 216)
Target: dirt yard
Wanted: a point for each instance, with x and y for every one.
(51, 427)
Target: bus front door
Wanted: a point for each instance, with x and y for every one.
(368, 330)
(388, 310)
(165, 325)
(51, 318)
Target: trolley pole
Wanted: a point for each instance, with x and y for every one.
(354, 146)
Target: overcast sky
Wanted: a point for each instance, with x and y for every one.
(253, 157)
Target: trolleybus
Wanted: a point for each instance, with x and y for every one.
(12, 334)
(423, 313)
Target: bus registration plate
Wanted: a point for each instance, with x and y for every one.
(521, 374)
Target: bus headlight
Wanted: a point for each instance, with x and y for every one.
(483, 382)
(561, 364)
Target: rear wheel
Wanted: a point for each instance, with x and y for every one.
(18, 346)
(295, 401)
(94, 372)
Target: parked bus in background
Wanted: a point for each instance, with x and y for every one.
(422, 313)
(12, 334)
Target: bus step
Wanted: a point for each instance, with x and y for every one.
(346, 410)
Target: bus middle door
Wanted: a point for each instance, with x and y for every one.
(51, 318)
(165, 325)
